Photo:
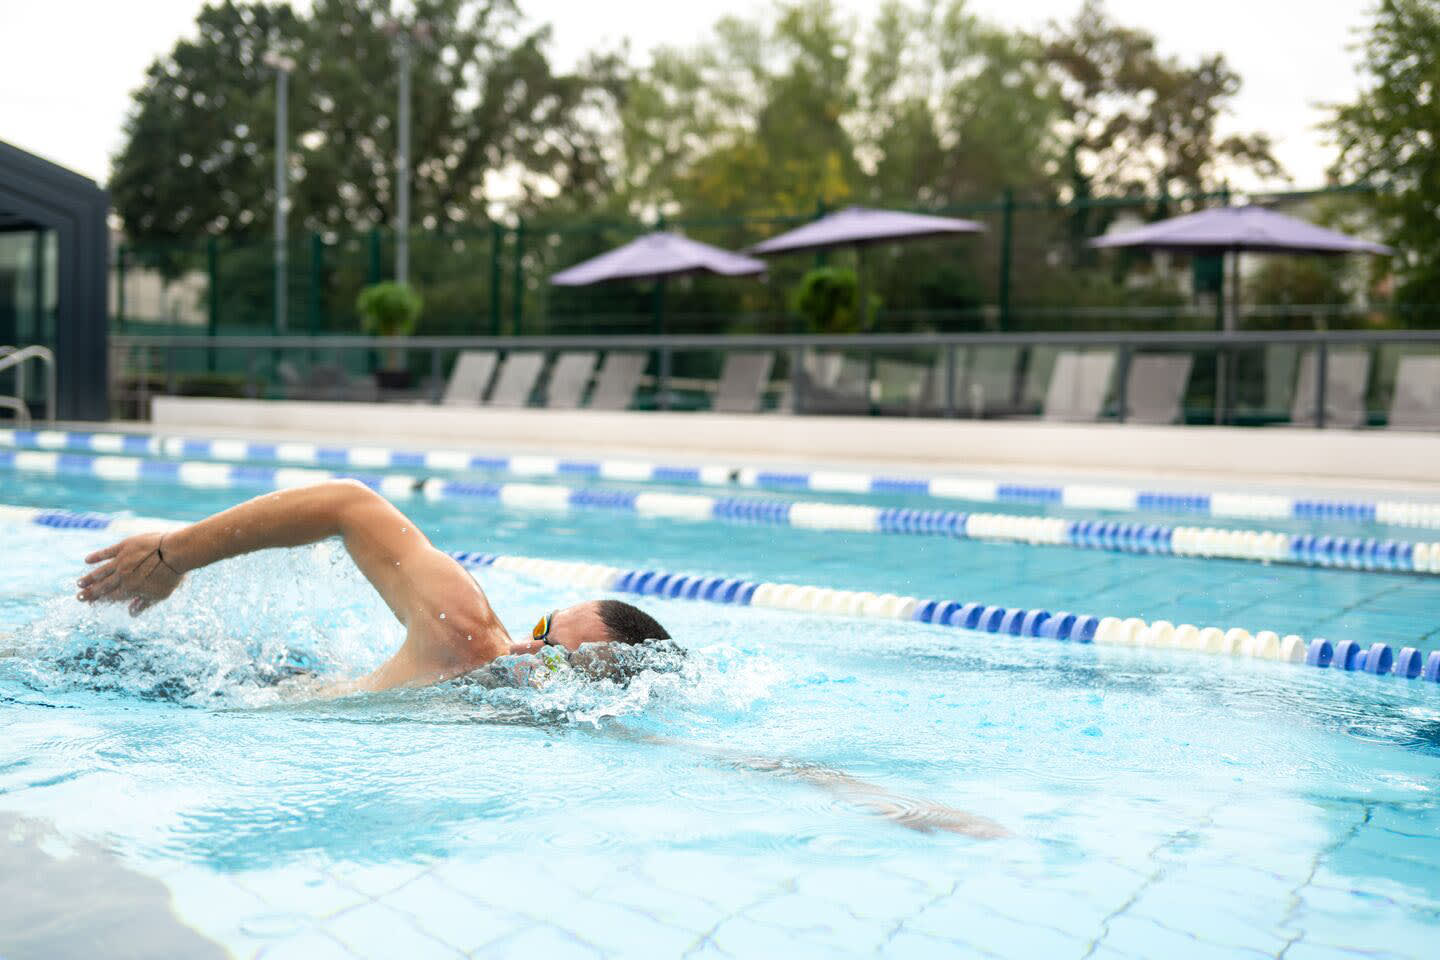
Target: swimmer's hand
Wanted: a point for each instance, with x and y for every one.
(136, 571)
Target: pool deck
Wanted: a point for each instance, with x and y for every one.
(1341, 461)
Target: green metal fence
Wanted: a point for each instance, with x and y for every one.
(1030, 270)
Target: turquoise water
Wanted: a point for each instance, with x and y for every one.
(1158, 804)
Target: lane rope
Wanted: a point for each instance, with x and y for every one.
(977, 489)
(1262, 546)
(1347, 656)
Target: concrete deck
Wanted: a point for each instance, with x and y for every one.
(1181, 456)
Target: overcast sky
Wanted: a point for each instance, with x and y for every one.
(68, 66)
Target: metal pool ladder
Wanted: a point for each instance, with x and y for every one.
(16, 357)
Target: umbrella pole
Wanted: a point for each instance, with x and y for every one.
(662, 365)
(862, 304)
(1231, 324)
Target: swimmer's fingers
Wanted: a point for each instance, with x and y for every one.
(139, 605)
(96, 576)
(108, 553)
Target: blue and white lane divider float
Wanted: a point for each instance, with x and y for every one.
(1348, 655)
(1264, 546)
(1113, 497)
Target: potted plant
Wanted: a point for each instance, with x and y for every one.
(390, 310)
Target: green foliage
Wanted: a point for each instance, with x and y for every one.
(1136, 121)
(389, 309)
(199, 146)
(826, 297)
(1388, 136)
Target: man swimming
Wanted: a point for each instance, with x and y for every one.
(450, 627)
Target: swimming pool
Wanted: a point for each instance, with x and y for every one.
(1161, 803)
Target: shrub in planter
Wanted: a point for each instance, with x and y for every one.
(390, 310)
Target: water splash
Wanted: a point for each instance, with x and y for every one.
(255, 632)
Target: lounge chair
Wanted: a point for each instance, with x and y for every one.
(516, 379)
(1415, 404)
(569, 377)
(1078, 385)
(1281, 361)
(832, 383)
(990, 384)
(1347, 375)
(469, 378)
(1155, 385)
(742, 383)
(324, 382)
(619, 376)
(901, 388)
(1039, 366)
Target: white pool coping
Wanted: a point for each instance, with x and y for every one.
(1338, 460)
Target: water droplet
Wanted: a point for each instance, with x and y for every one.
(442, 616)
(404, 529)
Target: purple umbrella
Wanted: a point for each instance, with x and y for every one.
(1235, 229)
(656, 256)
(860, 226)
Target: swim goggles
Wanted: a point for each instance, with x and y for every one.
(542, 629)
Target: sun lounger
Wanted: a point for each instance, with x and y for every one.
(1155, 385)
(1347, 375)
(901, 388)
(832, 383)
(989, 386)
(324, 382)
(742, 383)
(1078, 385)
(516, 379)
(615, 384)
(569, 376)
(1416, 402)
(469, 378)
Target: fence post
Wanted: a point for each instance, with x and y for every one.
(120, 288)
(949, 407)
(820, 212)
(212, 260)
(518, 282)
(374, 255)
(1122, 384)
(497, 237)
(1322, 361)
(317, 282)
(1007, 217)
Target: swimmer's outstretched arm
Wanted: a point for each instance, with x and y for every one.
(450, 628)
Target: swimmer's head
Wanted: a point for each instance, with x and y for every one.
(600, 621)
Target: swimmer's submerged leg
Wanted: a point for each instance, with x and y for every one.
(922, 816)
(919, 815)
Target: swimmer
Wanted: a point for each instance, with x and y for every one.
(450, 628)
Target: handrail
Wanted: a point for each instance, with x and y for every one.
(12, 357)
(1125, 343)
(762, 341)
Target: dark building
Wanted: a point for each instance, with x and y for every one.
(54, 247)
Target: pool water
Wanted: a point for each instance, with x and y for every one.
(1157, 803)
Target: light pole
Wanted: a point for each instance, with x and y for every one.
(404, 34)
(282, 66)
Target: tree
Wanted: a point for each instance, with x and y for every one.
(199, 148)
(1136, 121)
(1389, 135)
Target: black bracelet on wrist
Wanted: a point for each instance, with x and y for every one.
(160, 552)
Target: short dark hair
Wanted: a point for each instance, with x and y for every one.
(627, 623)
